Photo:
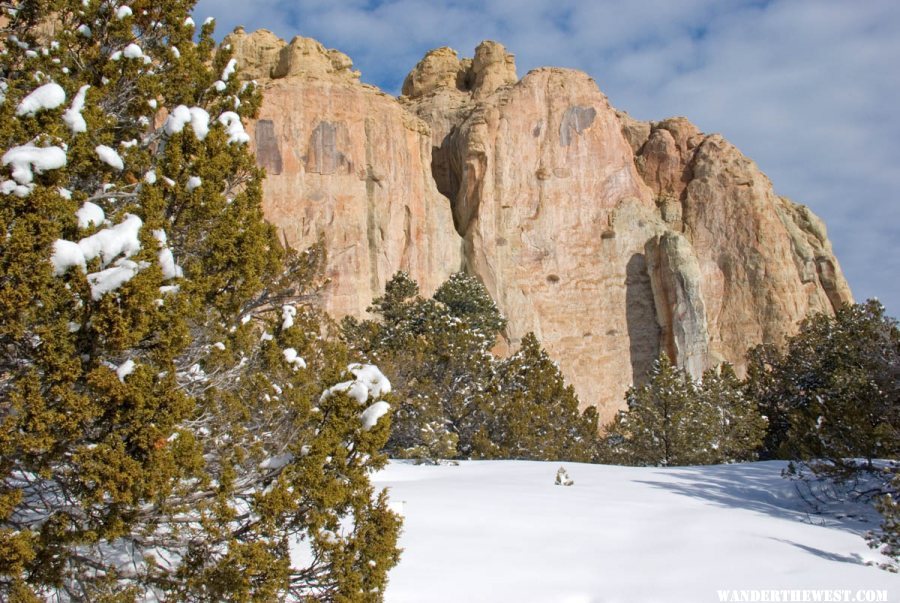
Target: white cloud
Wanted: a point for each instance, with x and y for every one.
(807, 88)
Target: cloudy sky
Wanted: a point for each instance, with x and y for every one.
(809, 89)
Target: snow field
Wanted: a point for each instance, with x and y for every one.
(502, 531)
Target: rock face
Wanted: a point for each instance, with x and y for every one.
(346, 162)
(611, 238)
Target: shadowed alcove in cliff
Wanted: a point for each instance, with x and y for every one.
(640, 316)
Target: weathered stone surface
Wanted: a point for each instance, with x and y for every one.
(492, 68)
(440, 68)
(257, 53)
(555, 218)
(611, 238)
(348, 162)
(765, 262)
(676, 282)
(307, 57)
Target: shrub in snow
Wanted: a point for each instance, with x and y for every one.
(833, 394)
(562, 478)
(887, 539)
(155, 447)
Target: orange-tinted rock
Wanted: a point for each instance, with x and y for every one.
(611, 238)
(347, 162)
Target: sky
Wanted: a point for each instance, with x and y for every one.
(808, 89)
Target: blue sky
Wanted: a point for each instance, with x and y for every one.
(808, 89)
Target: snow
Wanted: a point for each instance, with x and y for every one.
(288, 313)
(27, 160)
(369, 381)
(109, 243)
(199, 122)
(229, 70)
(234, 128)
(501, 531)
(48, 96)
(373, 378)
(370, 416)
(125, 369)
(176, 121)
(90, 214)
(85, 31)
(194, 182)
(189, 22)
(122, 12)
(110, 157)
(277, 462)
(66, 254)
(182, 115)
(150, 177)
(291, 357)
(170, 269)
(133, 51)
(108, 280)
(72, 117)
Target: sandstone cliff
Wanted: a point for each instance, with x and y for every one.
(345, 160)
(612, 239)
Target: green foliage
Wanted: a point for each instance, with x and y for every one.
(530, 413)
(673, 421)
(887, 540)
(833, 395)
(833, 401)
(454, 398)
(437, 363)
(738, 428)
(152, 442)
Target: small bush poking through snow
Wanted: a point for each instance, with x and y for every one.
(562, 477)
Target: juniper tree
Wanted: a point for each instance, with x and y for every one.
(163, 429)
(454, 398)
(835, 388)
(738, 427)
(530, 413)
(438, 357)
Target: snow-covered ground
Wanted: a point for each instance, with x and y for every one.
(502, 531)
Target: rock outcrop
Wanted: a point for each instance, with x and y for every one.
(611, 238)
(347, 162)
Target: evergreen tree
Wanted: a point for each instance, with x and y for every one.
(666, 423)
(438, 359)
(153, 445)
(738, 427)
(765, 386)
(887, 540)
(454, 398)
(530, 413)
(835, 391)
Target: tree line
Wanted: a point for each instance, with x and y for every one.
(177, 418)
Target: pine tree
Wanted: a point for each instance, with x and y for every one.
(153, 444)
(738, 427)
(887, 539)
(665, 424)
(454, 398)
(835, 391)
(438, 357)
(530, 412)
